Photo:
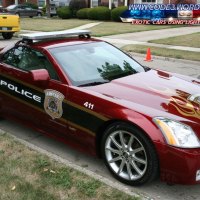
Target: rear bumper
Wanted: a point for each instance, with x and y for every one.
(9, 29)
(180, 166)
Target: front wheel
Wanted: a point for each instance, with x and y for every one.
(7, 36)
(129, 154)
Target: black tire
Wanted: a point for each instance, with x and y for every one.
(7, 36)
(39, 14)
(17, 14)
(134, 162)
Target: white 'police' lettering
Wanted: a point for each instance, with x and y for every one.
(20, 91)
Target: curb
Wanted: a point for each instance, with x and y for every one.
(167, 59)
(57, 158)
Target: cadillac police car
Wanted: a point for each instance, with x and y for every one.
(144, 123)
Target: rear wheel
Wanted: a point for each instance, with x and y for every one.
(7, 36)
(39, 14)
(129, 154)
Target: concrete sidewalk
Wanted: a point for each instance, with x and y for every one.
(145, 36)
(142, 38)
(123, 42)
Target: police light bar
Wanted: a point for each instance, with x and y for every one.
(55, 34)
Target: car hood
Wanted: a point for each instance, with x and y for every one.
(154, 92)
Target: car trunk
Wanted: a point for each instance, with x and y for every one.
(7, 22)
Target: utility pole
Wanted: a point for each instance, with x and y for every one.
(110, 4)
(126, 3)
(16, 2)
(48, 8)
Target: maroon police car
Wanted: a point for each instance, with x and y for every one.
(144, 123)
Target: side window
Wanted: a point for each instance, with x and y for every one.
(12, 57)
(25, 8)
(28, 59)
(44, 63)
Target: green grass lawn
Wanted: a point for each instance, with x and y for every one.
(157, 51)
(54, 24)
(190, 40)
(26, 174)
(103, 29)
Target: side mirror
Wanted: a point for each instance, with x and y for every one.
(40, 75)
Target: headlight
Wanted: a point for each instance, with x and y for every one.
(176, 133)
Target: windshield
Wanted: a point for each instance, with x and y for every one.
(11, 7)
(94, 63)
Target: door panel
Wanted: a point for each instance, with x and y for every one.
(19, 90)
(18, 94)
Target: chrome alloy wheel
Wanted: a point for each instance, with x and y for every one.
(126, 155)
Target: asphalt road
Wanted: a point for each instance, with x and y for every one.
(4, 43)
(156, 190)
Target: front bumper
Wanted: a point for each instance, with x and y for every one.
(179, 166)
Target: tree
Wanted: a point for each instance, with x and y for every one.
(183, 2)
(113, 71)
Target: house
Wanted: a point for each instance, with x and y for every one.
(122, 2)
(165, 1)
(6, 3)
(93, 3)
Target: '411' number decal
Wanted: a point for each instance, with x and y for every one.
(89, 105)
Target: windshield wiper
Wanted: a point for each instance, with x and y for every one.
(146, 69)
(93, 83)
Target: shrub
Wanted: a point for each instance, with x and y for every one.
(76, 5)
(99, 13)
(116, 13)
(64, 12)
(44, 8)
(83, 13)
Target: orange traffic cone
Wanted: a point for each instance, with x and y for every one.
(148, 56)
